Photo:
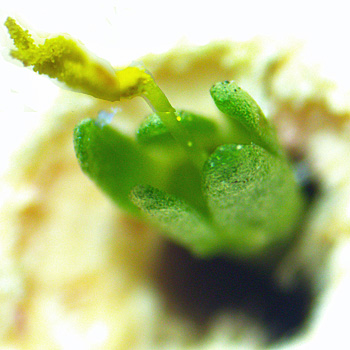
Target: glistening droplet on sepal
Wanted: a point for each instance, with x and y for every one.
(106, 117)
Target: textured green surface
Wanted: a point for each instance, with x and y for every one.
(112, 160)
(244, 202)
(182, 222)
(240, 107)
(252, 196)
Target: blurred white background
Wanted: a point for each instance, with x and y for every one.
(122, 31)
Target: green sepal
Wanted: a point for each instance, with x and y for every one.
(181, 223)
(112, 160)
(153, 132)
(240, 107)
(253, 198)
(184, 179)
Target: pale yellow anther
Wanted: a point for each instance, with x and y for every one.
(132, 81)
